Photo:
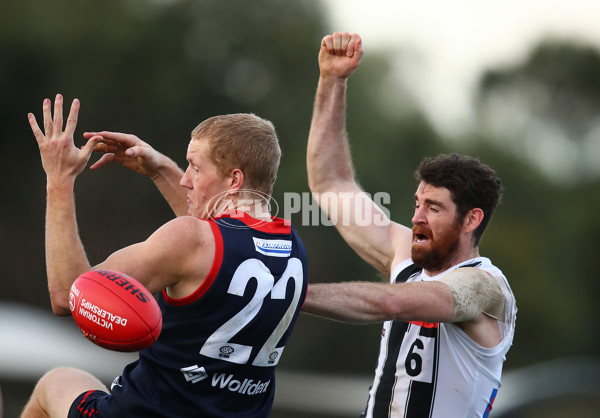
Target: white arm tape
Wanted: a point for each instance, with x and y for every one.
(474, 291)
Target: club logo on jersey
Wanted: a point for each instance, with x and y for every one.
(195, 374)
(116, 383)
(245, 387)
(226, 351)
(273, 247)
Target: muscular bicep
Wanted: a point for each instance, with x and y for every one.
(169, 257)
(139, 261)
(364, 223)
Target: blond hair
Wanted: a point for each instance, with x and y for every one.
(244, 141)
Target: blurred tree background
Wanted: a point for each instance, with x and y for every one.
(158, 68)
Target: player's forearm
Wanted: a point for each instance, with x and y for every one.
(65, 256)
(328, 153)
(166, 179)
(366, 302)
(353, 302)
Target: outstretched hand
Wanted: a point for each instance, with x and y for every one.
(340, 54)
(127, 150)
(61, 159)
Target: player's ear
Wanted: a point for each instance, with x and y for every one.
(473, 219)
(236, 180)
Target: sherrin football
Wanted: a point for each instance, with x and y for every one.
(115, 311)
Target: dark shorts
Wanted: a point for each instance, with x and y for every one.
(86, 404)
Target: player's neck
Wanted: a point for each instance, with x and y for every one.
(256, 208)
(454, 260)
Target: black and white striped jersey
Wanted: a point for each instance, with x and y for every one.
(434, 369)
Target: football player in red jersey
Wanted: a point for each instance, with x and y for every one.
(210, 266)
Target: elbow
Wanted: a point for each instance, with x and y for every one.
(60, 310)
(60, 304)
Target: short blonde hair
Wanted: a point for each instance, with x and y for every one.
(244, 141)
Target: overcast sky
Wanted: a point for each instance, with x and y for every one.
(454, 40)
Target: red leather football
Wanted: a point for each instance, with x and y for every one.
(115, 311)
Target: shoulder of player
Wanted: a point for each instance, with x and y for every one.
(191, 244)
(474, 291)
(471, 275)
(188, 231)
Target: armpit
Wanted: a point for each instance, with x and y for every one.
(474, 291)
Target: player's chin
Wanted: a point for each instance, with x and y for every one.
(418, 253)
(192, 211)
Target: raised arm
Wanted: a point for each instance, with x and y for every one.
(63, 162)
(178, 256)
(328, 156)
(137, 155)
(331, 179)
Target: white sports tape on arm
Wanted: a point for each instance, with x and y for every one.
(474, 291)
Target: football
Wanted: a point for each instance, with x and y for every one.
(115, 311)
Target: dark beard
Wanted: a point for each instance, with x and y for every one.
(441, 253)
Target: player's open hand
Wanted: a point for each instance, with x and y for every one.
(127, 150)
(61, 159)
(340, 54)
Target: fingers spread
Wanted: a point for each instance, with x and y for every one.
(72, 119)
(39, 136)
(47, 117)
(58, 113)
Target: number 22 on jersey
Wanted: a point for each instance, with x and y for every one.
(269, 354)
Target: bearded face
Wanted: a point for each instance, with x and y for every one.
(434, 251)
(437, 230)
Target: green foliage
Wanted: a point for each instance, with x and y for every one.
(157, 69)
(549, 212)
(558, 82)
(545, 109)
